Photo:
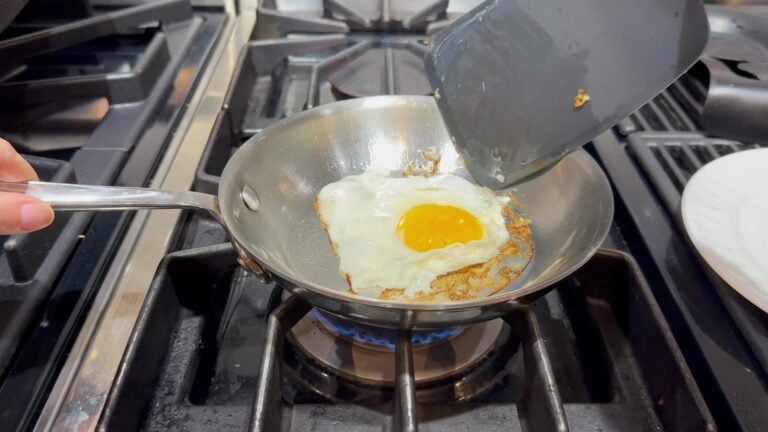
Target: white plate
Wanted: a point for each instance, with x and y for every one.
(725, 211)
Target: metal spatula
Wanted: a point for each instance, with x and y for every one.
(520, 83)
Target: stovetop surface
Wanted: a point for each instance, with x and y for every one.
(609, 334)
(641, 338)
(198, 357)
(94, 104)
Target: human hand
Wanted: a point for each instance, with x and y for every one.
(19, 213)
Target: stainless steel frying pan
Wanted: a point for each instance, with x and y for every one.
(267, 190)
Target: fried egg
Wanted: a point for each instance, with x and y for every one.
(404, 232)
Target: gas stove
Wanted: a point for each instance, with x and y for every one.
(218, 349)
(92, 95)
(643, 337)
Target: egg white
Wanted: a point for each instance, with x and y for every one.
(361, 213)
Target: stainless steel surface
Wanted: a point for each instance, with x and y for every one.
(74, 197)
(286, 165)
(373, 366)
(405, 384)
(507, 75)
(280, 171)
(79, 393)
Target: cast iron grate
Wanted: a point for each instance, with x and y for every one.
(668, 161)
(32, 82)
(665, 137)
(48, 278)
(597, 353)
(664, 147)
(676, 109)
(30, 263)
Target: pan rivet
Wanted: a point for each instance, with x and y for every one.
(250, 198)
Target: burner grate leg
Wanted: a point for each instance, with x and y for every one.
(541, 408)
(405, 385)
(266, 411)
(321, 71)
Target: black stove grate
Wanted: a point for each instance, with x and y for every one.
(345, 16)
(122, 69)
(669, 161)
(48, 278)
(26, 274)
(596, 353)
(26, 86)
(650, 158)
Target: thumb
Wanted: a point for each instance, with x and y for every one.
(21, 214)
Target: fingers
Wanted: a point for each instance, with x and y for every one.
(19, 213)
(13, 168)
(22, 213)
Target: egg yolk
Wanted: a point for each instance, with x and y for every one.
(434, 226)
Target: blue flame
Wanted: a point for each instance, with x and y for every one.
(379, 336)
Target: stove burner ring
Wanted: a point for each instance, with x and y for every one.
(372, 365)
(380, 337)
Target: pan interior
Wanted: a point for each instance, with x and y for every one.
(287, 164)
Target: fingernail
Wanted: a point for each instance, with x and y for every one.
(35, 216)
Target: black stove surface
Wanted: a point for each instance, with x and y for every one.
(649, 157)
(91, 97)
(204, 347)
(213, 348)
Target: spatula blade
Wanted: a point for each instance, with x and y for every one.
(521, 83)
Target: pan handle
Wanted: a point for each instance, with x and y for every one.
(72, 197)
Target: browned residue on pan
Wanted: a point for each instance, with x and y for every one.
(325, 228)
(428, 169)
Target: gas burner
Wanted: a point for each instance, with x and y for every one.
(379, 338)
(462, 364)
(93, 94)
(383, 70)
